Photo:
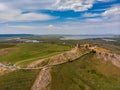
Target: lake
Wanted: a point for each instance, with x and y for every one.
(85, 37)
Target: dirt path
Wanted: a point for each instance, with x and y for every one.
(43, 80)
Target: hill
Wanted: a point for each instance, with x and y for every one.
(85, 72)
(85, 67)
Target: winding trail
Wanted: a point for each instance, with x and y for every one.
(44, 78)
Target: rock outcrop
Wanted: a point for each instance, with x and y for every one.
(110, 57)
(104, 54)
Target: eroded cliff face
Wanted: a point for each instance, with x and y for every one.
(110, 57)
(104, 54)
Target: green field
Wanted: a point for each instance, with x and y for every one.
(28, 52)
(6, 46)
(87, 73)
(18, 80)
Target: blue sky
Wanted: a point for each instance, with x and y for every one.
(59, 16)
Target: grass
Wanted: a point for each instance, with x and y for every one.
(87, 73)
(28, 52)
(2, 46)
(18, 80)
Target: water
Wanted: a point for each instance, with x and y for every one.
(109, 40)
(84, 37)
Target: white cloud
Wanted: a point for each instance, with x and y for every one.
(11, 10)
(112, 11)
(105, 0)
(66, 28)
(85, 27)
(29, 4)
(76, 5)
(2, 7)
(94, 20)
(21, 27)
(33, 16)
(8, 13)
(5, 17)
(50, 26)
(90, 15)
(112, 14)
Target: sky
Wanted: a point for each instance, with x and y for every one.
(60, 17)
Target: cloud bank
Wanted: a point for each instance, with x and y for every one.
(59, 16)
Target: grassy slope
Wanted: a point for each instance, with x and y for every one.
(23, 80)
(30, 51)
(18, 80)
(87, 73)
(2, 46)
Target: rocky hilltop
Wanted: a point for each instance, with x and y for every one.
(77, 52)
(44, 78)
(104, 54)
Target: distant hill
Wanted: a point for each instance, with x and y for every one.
(14, 35)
